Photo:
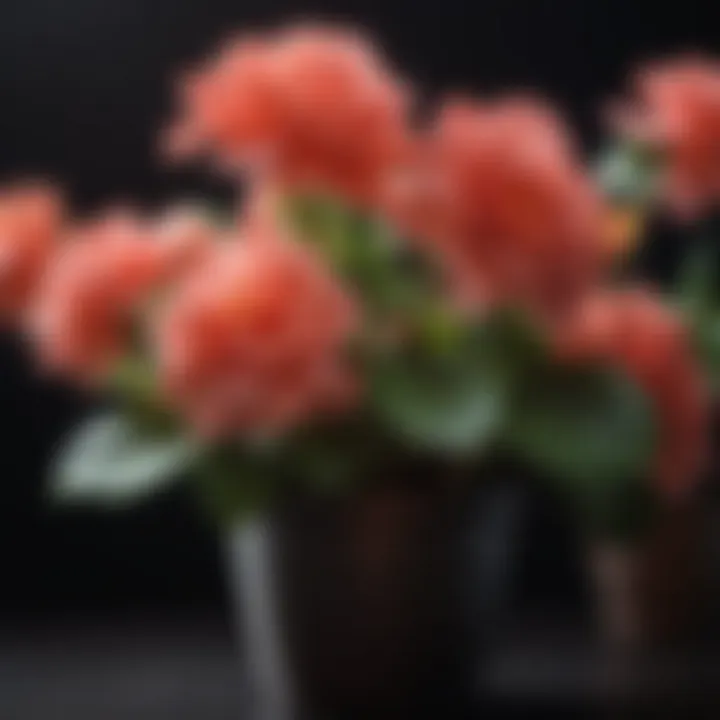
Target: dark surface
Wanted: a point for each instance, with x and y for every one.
(189, 671)
(121, 672)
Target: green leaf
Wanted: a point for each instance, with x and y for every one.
(334, 457)
(618, 511)
(696, 292)
(135, 387)
(109, 462)
(696, 287)
(706, 340)
(509, 339)
(454, 395)
(235, 483)
(363, 250)
(629, 172)
(442, 404)
(585, 428)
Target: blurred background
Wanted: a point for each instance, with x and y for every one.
(84, 88)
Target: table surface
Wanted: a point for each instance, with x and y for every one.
(114, 671)
(190, 671)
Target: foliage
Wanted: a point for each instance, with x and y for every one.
(590, 427)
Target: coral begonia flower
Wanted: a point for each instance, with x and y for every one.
(496, 194)
(676, 109)
(312, 108)
(254, 342)
(101, 278)
(30, 226)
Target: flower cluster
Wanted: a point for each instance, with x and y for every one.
(309, 107)
(253, 330)
(101, 275)
(676, 110)
(255, 341)
(498, 196)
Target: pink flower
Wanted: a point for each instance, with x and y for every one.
(104, 274)
(307, 107)
(254, 341)
(185, 237)
(676, 108)
(30, 225)
(498, 197)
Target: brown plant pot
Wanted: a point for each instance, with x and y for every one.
(648, 592)
(372, 605)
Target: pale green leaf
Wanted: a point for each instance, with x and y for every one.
(108, 462)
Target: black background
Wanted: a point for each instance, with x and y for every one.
(84, 86)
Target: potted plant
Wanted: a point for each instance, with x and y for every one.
(399, 317)
(648, 564)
